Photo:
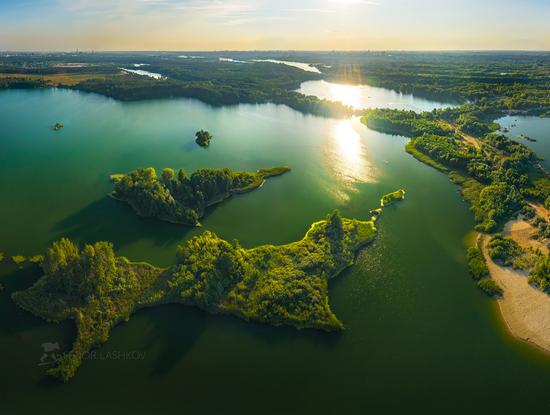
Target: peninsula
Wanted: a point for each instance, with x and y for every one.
(277, 285)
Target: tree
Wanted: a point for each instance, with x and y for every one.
(203, 137)
(335, 228)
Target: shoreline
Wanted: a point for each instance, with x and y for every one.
(524, 309)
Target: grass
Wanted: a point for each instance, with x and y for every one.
(66, 79)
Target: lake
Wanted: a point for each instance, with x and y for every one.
(534, 127)
(366, 96)
(419, 334)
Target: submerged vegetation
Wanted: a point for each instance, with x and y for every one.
(285, 284)
(178, 198)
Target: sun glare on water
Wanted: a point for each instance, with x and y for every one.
(347, 94)
(347, 156)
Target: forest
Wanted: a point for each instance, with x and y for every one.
(179, 198)
(285, 284)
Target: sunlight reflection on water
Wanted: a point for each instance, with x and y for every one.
(347, 157)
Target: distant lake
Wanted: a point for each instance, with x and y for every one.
(365, 96)
(533, 127)
(303, 66)
(419, 333)
(143, 73)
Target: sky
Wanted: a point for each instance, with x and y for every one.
(186, 25)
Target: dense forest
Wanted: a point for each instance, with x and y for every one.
(285, 284)
(179, 198)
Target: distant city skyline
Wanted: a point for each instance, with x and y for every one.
(131, 25)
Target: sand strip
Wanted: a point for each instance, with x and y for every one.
(525, 309)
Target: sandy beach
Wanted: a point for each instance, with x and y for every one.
(525, 309)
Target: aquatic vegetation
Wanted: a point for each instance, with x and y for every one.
(180, 199)
(286, 284)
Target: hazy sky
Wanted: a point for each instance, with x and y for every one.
(274, 24)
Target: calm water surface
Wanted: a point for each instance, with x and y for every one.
(366, 96)
(420, 337)
(533, 127)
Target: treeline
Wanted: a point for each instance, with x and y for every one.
(508, 81)
(178, 198)
(135, 87)
(285, 284)
(496, 178)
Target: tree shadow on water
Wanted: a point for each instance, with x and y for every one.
(109, 220)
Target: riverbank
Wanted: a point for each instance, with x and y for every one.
(525, 309)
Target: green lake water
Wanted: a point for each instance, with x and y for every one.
(420, 337)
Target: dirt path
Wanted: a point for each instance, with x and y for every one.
(540, 210)
(468, 138)
(525, 309)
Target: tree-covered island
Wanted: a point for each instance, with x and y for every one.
(286, 284)
(203, 137)
(182, 199)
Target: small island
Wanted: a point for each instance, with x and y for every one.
(392, 197)
(181, 199)
(58, 126)
(203, 137)
(286, 284)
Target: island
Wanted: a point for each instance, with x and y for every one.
(392, 197)
(203, 137)
(58, 126)
(181, 199)
(278, 285)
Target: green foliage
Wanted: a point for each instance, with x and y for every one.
(496, 204)
(504, 250)
(490, 287)
(180, 199)
(406, 123)
(476, 263)
(90, 286)
(392, 197)
(540, 275)
(273, 284)
(36, 259)
(18, 259)
(202, 138)
(447, 151)
(1, 256)
(285, 284)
